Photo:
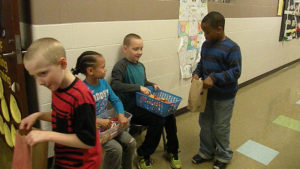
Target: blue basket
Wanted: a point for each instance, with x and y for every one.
(156, 106)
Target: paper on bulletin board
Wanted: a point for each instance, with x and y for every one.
(290, 25)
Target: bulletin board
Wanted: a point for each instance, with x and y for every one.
(290, 24)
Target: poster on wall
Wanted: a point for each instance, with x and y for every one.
(191, 13)
(297, 14)
(290, 24)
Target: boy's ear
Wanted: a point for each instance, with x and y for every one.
(89, 70)
(63, 62)
(124, 48)
(220, 28)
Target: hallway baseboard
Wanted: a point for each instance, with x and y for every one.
(267, 74)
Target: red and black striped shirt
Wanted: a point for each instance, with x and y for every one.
(73, 112)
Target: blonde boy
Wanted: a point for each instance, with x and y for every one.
(73, 108)
(129, 77)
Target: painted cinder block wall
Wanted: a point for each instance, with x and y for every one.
(100, 25)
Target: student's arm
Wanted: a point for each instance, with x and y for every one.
(118, 76)
(29, 121)
(104, 123)
(38, 136)
(233, 73)
(147, 83)
(84, 124)
(117, 104)
(71, 140)
(46, 116)
(114, 99)
(198, 71)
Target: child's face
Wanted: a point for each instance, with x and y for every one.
(98, 70)
(45, 73)
(134, 50)
(210, 33)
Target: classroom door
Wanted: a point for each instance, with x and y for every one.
(12, 80)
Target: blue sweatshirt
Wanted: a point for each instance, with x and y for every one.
(102, 93)
(222, 62)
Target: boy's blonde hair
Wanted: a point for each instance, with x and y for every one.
(49, 48)
(128, 38)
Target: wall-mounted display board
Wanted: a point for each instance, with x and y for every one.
(13, 97)
(290, 24)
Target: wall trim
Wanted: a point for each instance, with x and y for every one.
(181, 111)
(267, 74)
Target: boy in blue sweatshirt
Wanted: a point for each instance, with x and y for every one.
(220, 68)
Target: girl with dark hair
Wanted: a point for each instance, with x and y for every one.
(120, 150)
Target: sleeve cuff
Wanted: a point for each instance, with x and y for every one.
(213, 77)
(87, 138)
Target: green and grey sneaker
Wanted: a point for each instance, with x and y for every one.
(175, 162)
(144, 163)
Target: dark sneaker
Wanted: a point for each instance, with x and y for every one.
(197, 159)
(219, 165)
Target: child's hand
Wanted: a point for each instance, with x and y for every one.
(122, 120)
(155, 87)
(36, 136)
(208, 83)
(196, 77)
(104, 123)
(145, 90)
(28, 122)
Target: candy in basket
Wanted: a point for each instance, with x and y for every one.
(159, 102)
(114, 130)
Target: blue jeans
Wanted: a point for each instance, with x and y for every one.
(215, 130)
(119, 152)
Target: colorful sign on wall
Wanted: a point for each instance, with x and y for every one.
(191, 36)
(290, 24)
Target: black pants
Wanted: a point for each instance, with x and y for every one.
(155, 125)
